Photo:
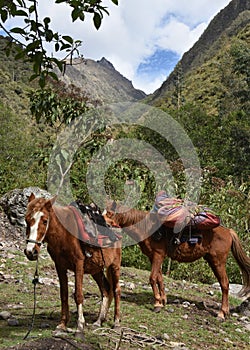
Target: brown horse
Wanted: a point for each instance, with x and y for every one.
(213, 245)
(47, 223)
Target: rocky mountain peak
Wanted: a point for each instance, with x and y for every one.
(105, 63)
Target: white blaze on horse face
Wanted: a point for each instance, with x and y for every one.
(34, 230)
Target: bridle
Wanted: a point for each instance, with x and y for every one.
(40, 242)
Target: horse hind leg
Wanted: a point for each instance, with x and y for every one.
(106, 295)
(79, 300)
(219, 269)
(156, 281)
(113, 274)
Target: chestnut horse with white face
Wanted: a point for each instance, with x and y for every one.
(213, 245)
(57, 226)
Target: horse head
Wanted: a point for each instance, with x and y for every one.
(37, 223)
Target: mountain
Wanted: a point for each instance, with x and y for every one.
(99, 81)
(220, 33)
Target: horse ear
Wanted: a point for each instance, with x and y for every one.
(113, 206)
(53, 200)
(31, 197)
(50, 202)
(110, 205)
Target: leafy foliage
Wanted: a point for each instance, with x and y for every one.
(57, 105)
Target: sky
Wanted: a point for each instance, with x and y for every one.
(143, 39)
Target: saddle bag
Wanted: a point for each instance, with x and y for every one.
(175, 213)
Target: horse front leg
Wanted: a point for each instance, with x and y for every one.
(63, 281)
(156, 281)
(78, 296)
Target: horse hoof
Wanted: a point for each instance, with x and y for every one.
(97, 324)
(221, 318)
(58, 332)
(79, 335)
(116, 327)
(157, 309)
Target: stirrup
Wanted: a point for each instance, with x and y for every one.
(176, 241)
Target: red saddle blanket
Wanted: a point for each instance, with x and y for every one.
(90, 234)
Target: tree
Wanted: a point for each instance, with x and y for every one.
(35, 32)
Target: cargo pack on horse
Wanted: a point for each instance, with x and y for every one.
(213, 244)
(58, 226)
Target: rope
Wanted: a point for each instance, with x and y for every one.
(131, 336)
(35, 282)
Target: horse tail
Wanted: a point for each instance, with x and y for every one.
(243, 261)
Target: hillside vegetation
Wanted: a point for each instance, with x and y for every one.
(208, 92)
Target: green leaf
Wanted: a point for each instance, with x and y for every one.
(4, 15)
(19, 55)
(33, 77)
(20, 13)
(31, 8)
(46, 20)
(42, 80)
(53, 75)
(97, 20)
(18, 30)
(68, 39)
(75, 14)
(65, 46)
(57, 47)
(115, 2)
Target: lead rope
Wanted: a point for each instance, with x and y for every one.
(35, 282)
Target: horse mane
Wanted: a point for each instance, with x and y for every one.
(129, 217)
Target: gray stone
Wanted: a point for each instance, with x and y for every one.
(13, 322)
(14, 203)
(4, 315)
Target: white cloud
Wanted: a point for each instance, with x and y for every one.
(135, 29)
(177, 36)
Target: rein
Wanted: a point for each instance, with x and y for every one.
(35, 282)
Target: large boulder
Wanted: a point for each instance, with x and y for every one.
(14, 203)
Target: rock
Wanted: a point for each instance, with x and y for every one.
(243, 308)
(247, 326)
(186, 304)
(14, 203)
(234, 289)
(4, 315)
(13, 322)
(44, 325)
(165, 336)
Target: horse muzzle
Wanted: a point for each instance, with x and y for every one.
(31, 255)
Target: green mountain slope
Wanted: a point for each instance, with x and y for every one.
(212, 47)
(209, 92)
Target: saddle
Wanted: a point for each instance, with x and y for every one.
(92, 227)
(183, 217)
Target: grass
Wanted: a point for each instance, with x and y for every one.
(185, 319)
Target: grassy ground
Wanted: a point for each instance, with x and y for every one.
(188, 319)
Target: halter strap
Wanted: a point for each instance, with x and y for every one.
(39, 243)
